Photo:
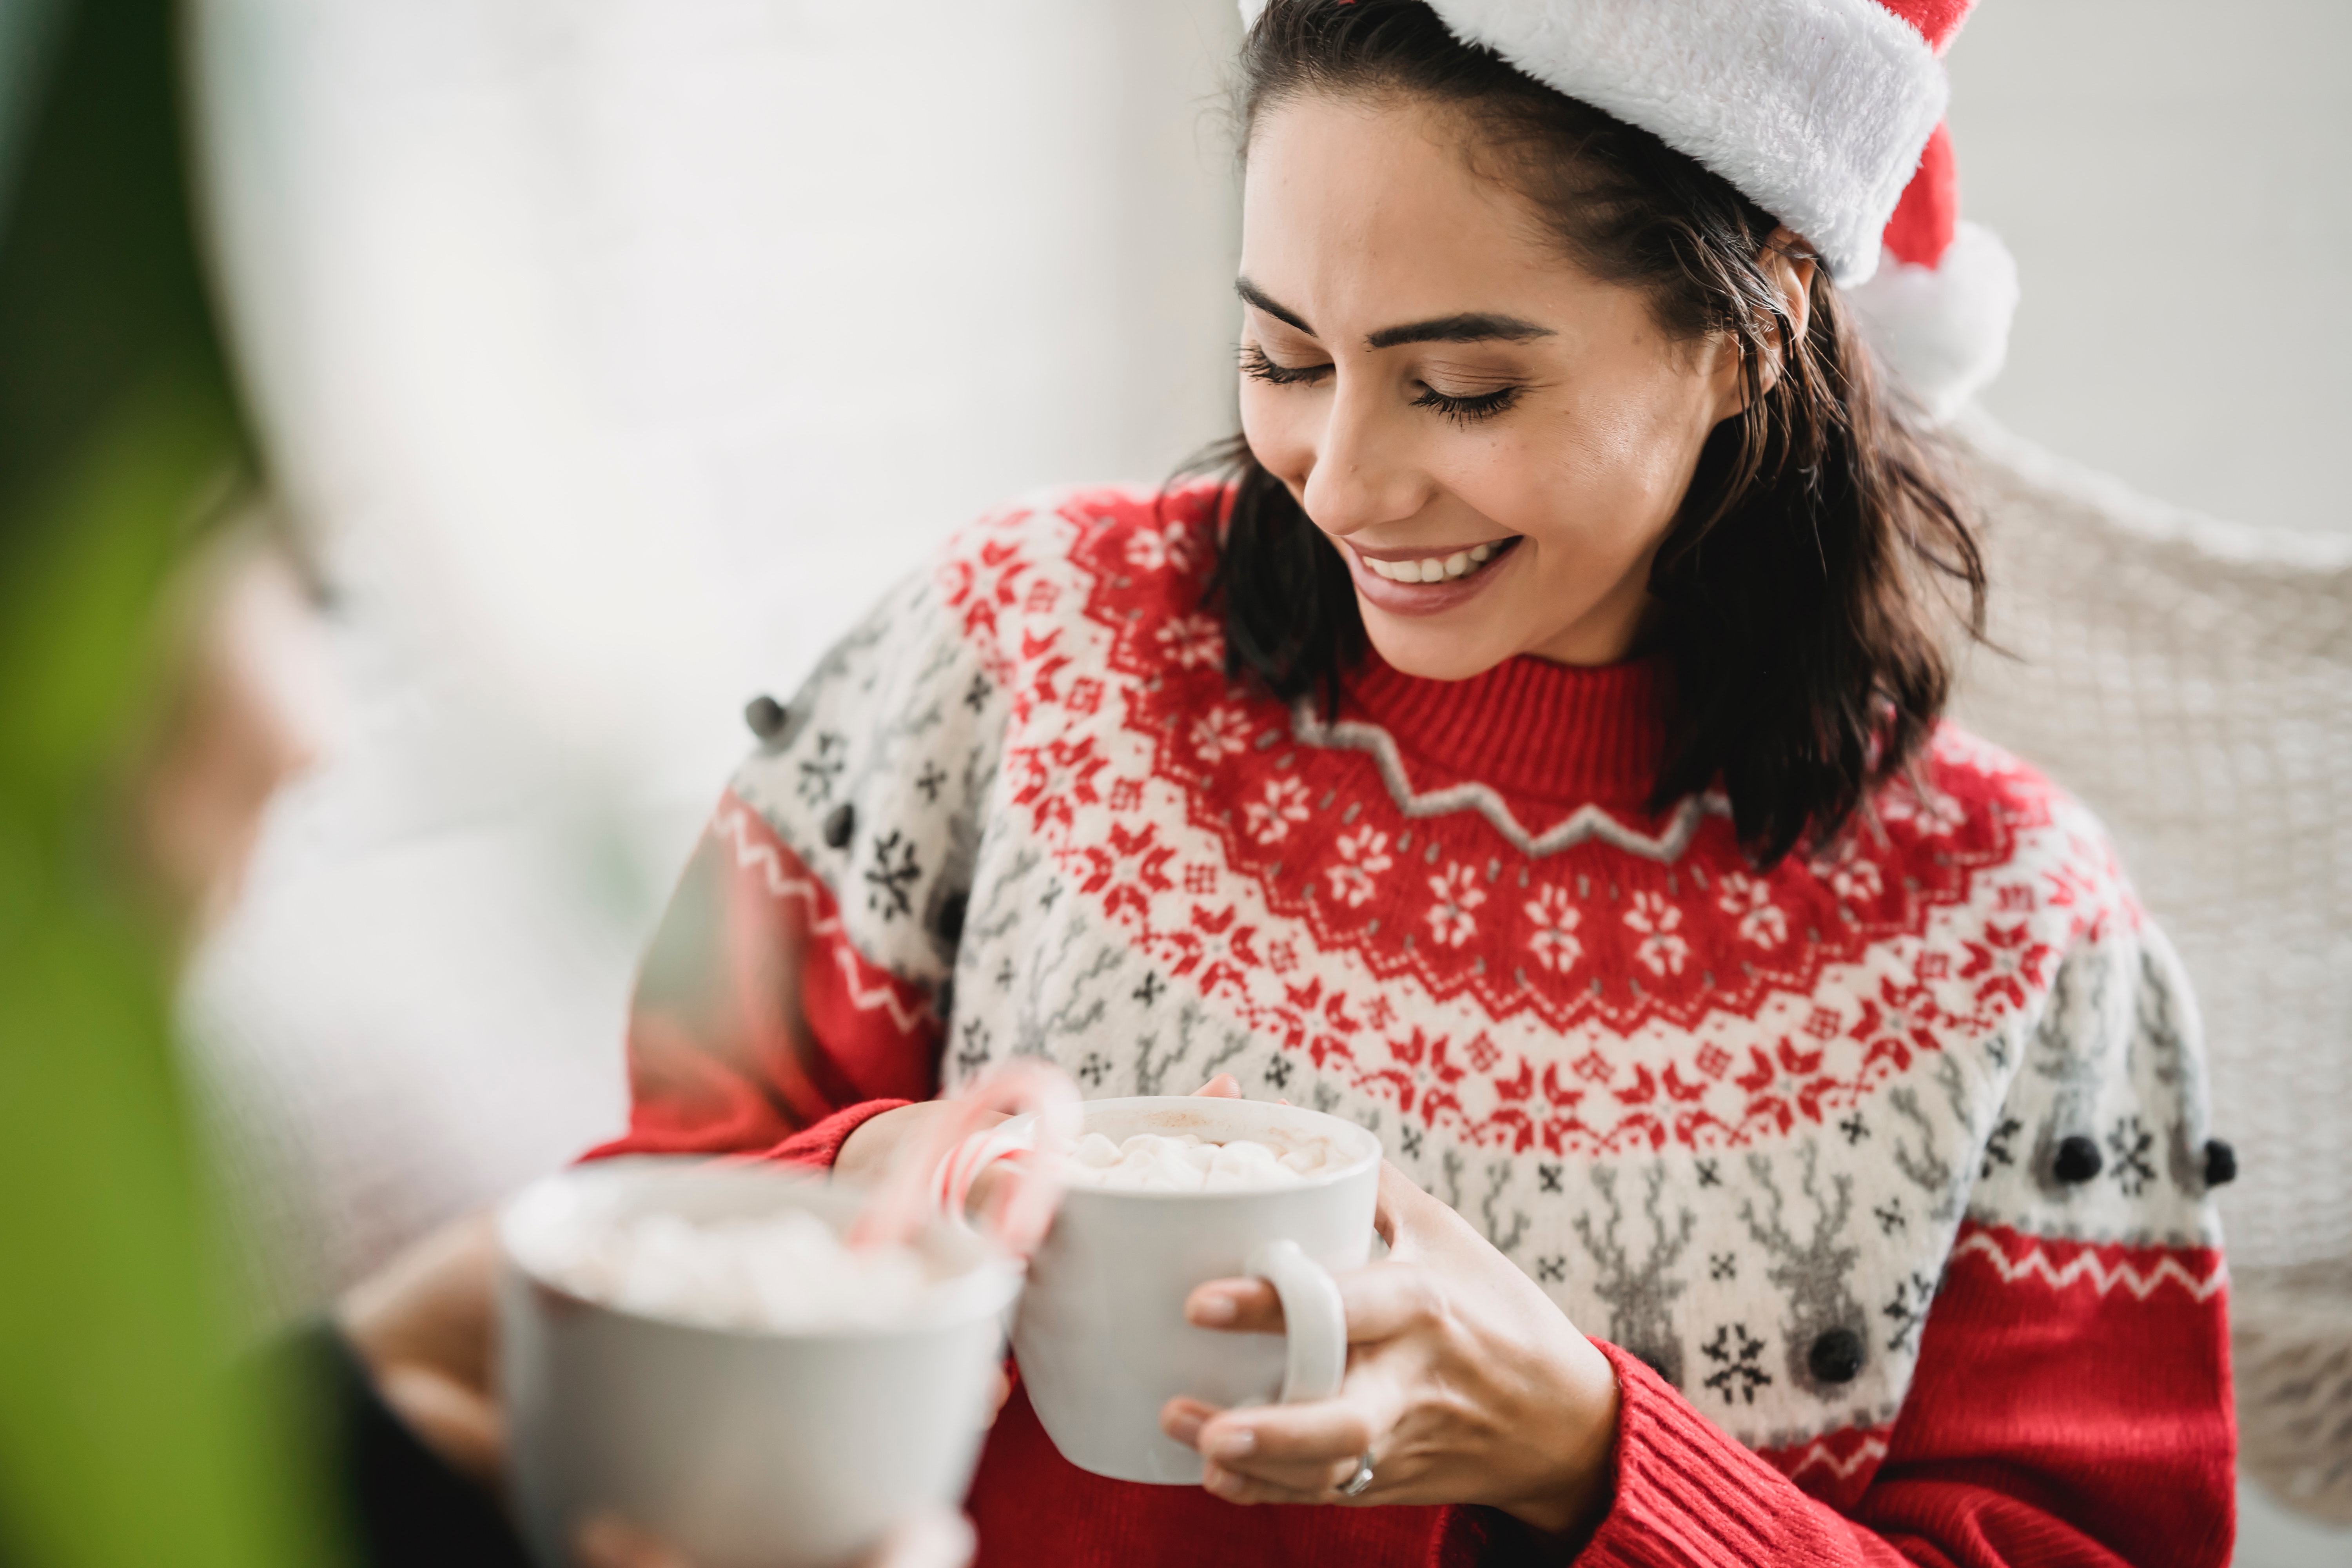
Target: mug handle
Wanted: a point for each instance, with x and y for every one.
(1315, 1358)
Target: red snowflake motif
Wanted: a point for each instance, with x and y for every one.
(1056, 778)
(1422, 1073)
(1269, 818)
(1128, 869)
(2005, 964)
(1041, 598)
(1086, 695)
(1784, 1085)
(1554, 916)
(1168, 548)
(1713, 1060)
(1223, 731)
(1282, 957)
(1200, 877)
(1593, 1068)
(1902, 1019)
(1749, 899)
(1662, 951)
(1193, 642)
(1482, 1053)
(1363, 855)
(1456, 893)
(1222, 951)
(1126, 794)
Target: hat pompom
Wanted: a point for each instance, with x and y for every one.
(1941, 331)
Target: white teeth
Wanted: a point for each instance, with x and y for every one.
(1433, 568)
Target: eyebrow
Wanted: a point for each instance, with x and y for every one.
(1468, 327)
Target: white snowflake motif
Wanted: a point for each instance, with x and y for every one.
(1852, 878)
(1761, 920)
(1219, 733)
(1554, 917)
(1193, 640)
(1457, 893)
(1270, 819)
(1152, 551)
(1363, 856)
(1929, 810)
(1662, 951)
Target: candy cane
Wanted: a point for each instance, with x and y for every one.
(936, 1171)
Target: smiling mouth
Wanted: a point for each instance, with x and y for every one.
(1439, 568)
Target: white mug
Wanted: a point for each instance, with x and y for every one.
(1101, 1337)
(741, 1449)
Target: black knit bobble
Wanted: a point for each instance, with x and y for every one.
(1836, 1356)
(840, 826)
(766, 716)
(2078, 1159)
(2220, 1163)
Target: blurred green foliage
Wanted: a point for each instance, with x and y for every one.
(125, 1439)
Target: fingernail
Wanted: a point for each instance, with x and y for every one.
(1232, 1443)
(1215, 1309)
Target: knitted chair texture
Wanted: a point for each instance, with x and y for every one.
(2192, 681)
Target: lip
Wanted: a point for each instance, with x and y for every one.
(1422, 598)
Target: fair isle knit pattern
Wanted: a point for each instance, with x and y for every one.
(1742, 1124)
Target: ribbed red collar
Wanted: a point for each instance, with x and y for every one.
(1559, 734)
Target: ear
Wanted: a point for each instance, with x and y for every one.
(1789, 265)
(1787, 261)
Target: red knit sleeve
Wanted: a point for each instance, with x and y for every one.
(757, 1026)
(2071, 1407)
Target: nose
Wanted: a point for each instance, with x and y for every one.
(1363, 473)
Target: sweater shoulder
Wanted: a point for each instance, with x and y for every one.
(2055, 858)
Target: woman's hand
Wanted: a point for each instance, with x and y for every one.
(935, 1540)
(867, 1155)
(423, 1326)
(1465, 1382)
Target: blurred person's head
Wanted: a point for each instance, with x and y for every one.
(1519, 379)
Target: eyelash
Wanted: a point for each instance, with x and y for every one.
(1460, 410)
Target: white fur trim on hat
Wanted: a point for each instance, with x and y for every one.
(1816, 110)
(1942, 332)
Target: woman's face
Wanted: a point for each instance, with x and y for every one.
(1452, 401)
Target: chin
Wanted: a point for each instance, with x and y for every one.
(1433, 653)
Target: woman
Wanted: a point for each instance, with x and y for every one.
(1530, 750)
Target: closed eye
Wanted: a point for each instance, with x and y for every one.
(1255, 365)
(1467, 410)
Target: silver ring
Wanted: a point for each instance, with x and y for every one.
(1360, 1482)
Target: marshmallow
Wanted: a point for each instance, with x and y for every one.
(783, 1273)
(1151, 1162)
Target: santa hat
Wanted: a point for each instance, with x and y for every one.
(1828, 114)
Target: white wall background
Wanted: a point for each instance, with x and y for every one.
(2171, 177)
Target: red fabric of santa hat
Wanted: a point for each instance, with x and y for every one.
(1827, 113)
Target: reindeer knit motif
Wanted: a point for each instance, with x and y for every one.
(1746, 1126)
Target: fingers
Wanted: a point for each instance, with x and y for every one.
(431, 1304)
(935, 1540)
(609, 1541)
(1224, 1086)
(1241, 1306)
(940, 1540)
(460, 1424)
(1401, 1212)
(1248, 1457)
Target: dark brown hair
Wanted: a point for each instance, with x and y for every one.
(1811, 578)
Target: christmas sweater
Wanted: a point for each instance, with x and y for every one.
(1880, 1173)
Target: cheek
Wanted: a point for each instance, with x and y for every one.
(1595, 482)
(1276, 423)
